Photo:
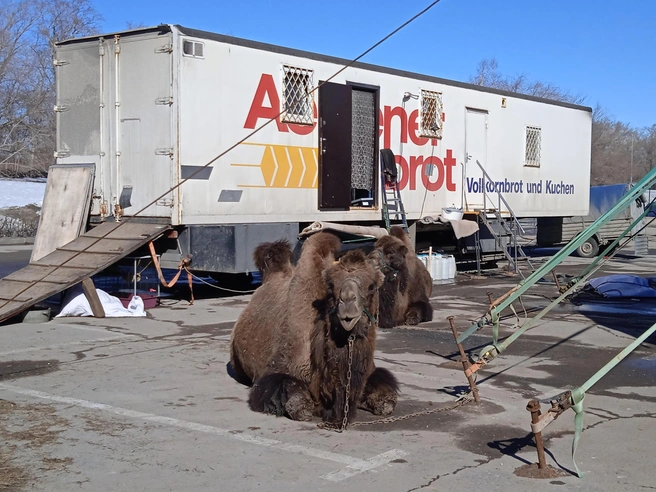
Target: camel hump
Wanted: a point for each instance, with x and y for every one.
(323, 244)
(273, 257)
(399, 233)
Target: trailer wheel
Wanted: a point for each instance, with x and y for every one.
(588, 249)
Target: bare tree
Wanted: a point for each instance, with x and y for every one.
(29, 30)
(488, 75)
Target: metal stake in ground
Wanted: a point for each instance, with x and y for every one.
(465, 363)
(534, 407)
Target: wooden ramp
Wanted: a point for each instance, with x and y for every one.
(73, 262)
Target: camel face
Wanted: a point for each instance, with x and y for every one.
(392, 253)
(352, 287)
(349, 305)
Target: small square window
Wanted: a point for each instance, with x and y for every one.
(192, 48)
(430, 114)
(533, 146)
(296, 96)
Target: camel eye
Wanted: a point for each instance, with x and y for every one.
(372, 287)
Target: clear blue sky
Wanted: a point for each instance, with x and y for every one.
(601, 49)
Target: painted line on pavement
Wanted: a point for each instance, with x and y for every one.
(354, 465)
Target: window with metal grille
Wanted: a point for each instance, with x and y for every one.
(296, 96)
(192, 48)
(430, 114)
(533, 144)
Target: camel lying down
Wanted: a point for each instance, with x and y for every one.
(404, 295)
(305, 327)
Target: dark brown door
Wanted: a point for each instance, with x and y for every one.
(334, 147)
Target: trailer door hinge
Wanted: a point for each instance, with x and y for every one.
(167, 48)
(164, 101)
(167, 151)
(60, 108)
(60, 63)
(165, 202)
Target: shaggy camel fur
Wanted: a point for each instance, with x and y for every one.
(404, 296)
(293, 339)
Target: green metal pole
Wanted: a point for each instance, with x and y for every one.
(591, 269)
(647, 181)
(578, 394)
(612, 245)
(616, 360)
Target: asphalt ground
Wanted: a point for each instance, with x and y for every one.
(147, 403)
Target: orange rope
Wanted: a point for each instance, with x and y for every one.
(184, 265)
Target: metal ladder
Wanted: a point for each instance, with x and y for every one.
(518, 253)
(508, 226)
(393, 208)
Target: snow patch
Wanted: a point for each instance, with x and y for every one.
(18, 192)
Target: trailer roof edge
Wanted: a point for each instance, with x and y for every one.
(247, 43)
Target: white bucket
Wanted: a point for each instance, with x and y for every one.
(452, 213)
(451, 266)
(435, 264)
(424, 259)
(437, 270)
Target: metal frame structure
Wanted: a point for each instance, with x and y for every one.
(568, 399)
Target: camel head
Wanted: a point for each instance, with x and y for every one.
(352, 289)
(392, 253)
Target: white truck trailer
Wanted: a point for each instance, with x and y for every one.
(149, 107)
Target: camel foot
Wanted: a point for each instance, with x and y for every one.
(380, 393)
(281, 395)
(418, 312)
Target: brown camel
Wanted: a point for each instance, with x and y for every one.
(404, 296)
(293, 340)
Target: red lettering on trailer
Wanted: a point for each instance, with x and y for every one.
(267, 89)
(409, 128)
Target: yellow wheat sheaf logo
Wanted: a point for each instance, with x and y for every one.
(286, 166)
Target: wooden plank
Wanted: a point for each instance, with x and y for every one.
(127, 230)
(82, 266)
(7, 310)
(92, 260)
(65, 207)
(106, 245)
(92, 296)
(102, 229)
(9, 289)
(55, 258)
(36, 273)
(30, 273)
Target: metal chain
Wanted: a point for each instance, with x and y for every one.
(388, 420)
(461, 401)
(351, 338)
(342, 427)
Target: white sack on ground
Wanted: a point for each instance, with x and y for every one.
(78, 305)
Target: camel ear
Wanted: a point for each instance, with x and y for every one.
(374, 260)
(403, 250)
(327, 278)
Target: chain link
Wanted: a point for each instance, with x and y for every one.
(461, 401)
(388, 420)
(342, 427)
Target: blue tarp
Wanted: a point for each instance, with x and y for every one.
(622, 286)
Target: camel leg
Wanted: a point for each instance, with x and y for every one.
(418, 312)
(380, 392)
(281, 394)
(236, 370)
